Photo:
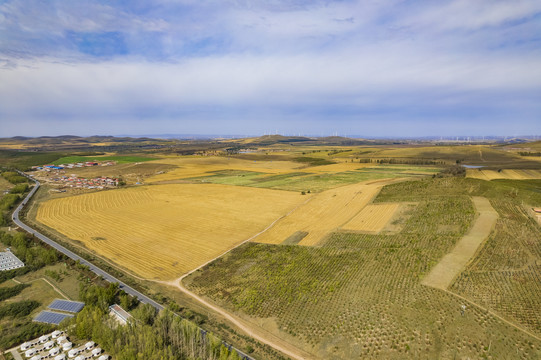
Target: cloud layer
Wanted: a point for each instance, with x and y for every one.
(373, 68)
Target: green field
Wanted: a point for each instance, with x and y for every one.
(360, 295)
(24, 160)
(302, 181)
(120, 159)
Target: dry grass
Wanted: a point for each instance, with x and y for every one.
(503, 174)
(373, 218)
(163, 231)
(324, 213)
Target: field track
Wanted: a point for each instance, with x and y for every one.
(443, 274)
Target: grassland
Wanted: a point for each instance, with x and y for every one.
(162, 231)
(4, 185)
(360, 295)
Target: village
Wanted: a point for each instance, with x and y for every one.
(55, 174)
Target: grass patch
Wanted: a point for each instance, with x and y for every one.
(312, 161)
(295, 238)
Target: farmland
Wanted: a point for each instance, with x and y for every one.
(162, 231)
(351, 234)
(283, 174)
(360, 295)
(513, 174)
(372, 218)
(323, 213)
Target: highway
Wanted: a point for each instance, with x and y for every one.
(129, 290)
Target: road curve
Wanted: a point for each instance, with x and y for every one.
(128, 289)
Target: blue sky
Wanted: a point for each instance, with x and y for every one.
(370, 68)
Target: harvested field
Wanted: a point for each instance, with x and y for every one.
(503, 174)
(163, 231)
(452, 264)
(372, 218)
(324, 213)
(188, 167)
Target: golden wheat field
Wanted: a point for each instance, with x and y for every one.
(163, 231)
(322, 213)
(372, 218)
(188, 167)
(503, 174)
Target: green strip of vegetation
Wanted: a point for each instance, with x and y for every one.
(312, 161)
(18, 309)
(6, 293)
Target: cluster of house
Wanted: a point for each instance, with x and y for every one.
(72, 166)
(56, 345)
(96, 183)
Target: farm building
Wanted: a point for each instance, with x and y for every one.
(8, 261)
(120, 314)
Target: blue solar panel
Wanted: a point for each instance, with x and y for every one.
(65, 305)
(50, 317)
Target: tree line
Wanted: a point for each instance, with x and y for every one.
(149, 335)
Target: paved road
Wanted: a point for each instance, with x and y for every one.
(72, 255)
(142, 298)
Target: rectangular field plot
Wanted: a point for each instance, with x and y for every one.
(51, 317)
(372, 218)
(163, 231)
(65, 305)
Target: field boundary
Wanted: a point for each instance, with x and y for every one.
(442, 275)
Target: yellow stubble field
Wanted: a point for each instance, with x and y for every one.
(162, 231)
(513, 174)
(188, 167)
(323, 213)
(372, 218)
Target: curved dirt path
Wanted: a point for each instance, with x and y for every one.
(259, 334)
(443, 274)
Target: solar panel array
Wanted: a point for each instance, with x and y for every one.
(51, 317)
(68, 306)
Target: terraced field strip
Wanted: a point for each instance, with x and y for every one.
(326, 212)
(443, 274)
(163, 231)
(372, 218)
(526, 174)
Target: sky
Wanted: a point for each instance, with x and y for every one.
(372, 68)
